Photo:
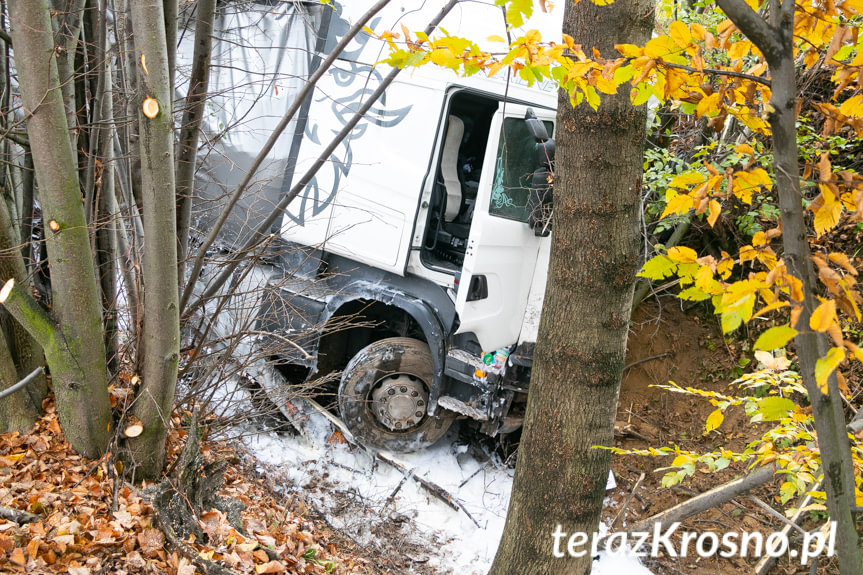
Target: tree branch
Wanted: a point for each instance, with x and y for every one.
(729, 73)
(753, 26)
(31, 315)
(23, 383)
(708, 499)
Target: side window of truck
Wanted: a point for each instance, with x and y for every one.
(516, 163)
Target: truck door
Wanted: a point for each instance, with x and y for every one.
(502, 249)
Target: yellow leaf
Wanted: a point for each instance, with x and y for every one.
(739, 49)
(680, 34)
(681, 460)
(827, 210)
(708, 106)
(629, 50)
(714, 420)
(744, 149)
(698, 31)
(715, 208)
(661, 47)
(605, 86)
(704, 278)
(676, 203)
(823, 316)
(495, 38)
(687, 179)
(853, 107)
(682, 254)
(843, 260)
(725, 266)
(827, 365)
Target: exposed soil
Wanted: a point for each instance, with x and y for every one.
(689, 349)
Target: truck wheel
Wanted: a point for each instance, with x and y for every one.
(383, 396)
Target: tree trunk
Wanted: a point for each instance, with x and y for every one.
(190, 128)
(559, 478)
(19, 353)
(107, 221)
(78, 374)
(776, 42)
(161, 331)
(67, 30)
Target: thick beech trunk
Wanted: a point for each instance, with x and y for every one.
(161, 330)
(79, 373)
(560, 479)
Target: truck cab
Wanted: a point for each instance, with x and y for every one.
(414, 262)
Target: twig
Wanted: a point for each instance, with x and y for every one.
(17, 516)
(775, 514)
(644, 359)
(397, 489)
(472, 475)
(767, 562)
(23, 383)
(442, 494)
(627, 502)
(729, 73)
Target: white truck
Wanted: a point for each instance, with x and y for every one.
(428, 225)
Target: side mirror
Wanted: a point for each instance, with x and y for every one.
(541, 196)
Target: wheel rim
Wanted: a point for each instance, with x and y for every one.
(399, 402)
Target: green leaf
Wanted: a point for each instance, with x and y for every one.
(693, 294)
(658, 268)
(774, 408)
(731, 320)
(775, 337)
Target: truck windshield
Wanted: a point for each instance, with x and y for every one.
(516, 162)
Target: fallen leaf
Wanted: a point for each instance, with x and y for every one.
(17, 557)
(151, 541)
(270, 567)
(185, 567)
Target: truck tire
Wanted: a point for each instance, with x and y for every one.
(383, 396)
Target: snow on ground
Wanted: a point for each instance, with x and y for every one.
(354, 492)
(360, 496)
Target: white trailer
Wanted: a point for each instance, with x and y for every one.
(429, 223)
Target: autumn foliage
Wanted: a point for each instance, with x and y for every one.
(77, 516)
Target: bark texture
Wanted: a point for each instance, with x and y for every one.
(79, 375)
(559, 477)
(161, 330)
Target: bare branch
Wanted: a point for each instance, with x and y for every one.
(753, 26)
